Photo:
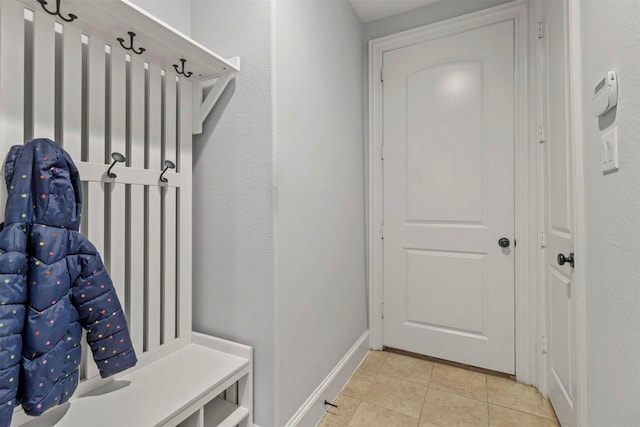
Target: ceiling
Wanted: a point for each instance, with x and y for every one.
(370, 10)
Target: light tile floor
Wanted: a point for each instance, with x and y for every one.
(390, 390)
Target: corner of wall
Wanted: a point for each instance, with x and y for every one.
(234, 278)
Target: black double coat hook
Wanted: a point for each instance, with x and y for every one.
(187, 74)
(130, 47)
(70, 18)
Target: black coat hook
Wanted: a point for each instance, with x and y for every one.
(130, 47)
(71, 17)
(117, 157)
(187, 74)
(168, 164)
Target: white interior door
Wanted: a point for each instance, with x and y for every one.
(561, 307)
(449, 197)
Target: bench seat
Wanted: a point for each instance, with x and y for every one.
(182, 388)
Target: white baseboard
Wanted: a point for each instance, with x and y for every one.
(312, 410)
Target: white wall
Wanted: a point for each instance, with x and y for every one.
(176, 13)
(610, 41)
(320, 252)
(233, 266)
(279, 194)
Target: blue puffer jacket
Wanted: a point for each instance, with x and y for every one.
(52, 283)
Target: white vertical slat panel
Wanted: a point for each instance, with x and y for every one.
(11, 75)
(97, 102)
(72, 116)
(184, 141)
(117, 225)
(72, 91)
(136, 206)
(44, 76)
(170, 225)
(11, 81)
(96, 126)
(154, 237)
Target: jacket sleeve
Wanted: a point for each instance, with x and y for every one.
(99, 310)
(13, 293)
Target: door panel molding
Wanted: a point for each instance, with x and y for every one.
(526, 303)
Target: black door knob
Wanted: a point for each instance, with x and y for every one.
(504, 242)
(563, 259)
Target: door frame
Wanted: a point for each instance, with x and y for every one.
(527, 304)
(574, 97)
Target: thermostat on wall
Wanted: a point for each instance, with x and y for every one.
(605, 96)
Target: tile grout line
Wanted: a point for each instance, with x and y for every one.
(461, 395)
(378, 372)
(360, 401)
(412, 382)
(424, 401)
(354, 413)
(522, 411)
(351, 397)
(486, 396)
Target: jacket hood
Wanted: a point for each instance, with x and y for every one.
(43, 185)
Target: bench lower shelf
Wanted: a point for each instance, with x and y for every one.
(222, 413)
(166, 392)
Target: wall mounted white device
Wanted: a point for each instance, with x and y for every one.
(605, 96)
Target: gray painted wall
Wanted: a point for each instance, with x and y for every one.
(320, 252)
(612, 216)
(233, 265)
(279, 194)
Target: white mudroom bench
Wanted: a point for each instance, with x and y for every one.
(196, 385)
(103, 77)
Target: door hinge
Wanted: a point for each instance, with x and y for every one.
(541, 136)
(543, 344)
(381, 74)
(543, 240)
(382, 231)
(382, 152)
(540, 29)
(382, 309)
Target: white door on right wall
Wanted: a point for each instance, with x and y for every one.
(558, 163)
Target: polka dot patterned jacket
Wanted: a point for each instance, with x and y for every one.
(52, 283)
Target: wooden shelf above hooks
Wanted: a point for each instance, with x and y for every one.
(163, 44)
